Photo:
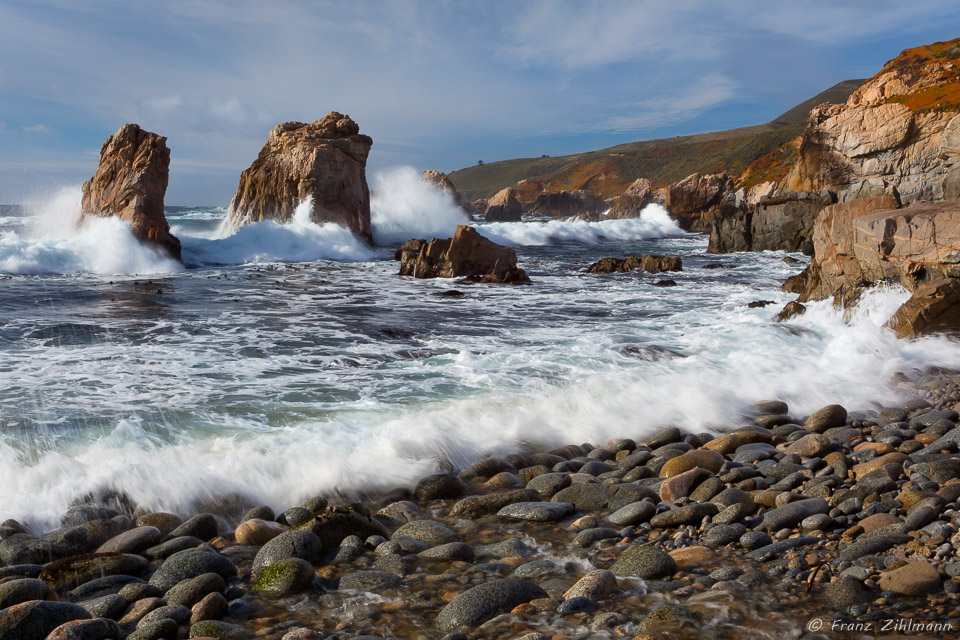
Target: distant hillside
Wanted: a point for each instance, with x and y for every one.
(608, 172)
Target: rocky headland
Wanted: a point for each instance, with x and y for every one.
(130, 183)
(324, 160)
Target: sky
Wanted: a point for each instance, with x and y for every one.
(438, 85)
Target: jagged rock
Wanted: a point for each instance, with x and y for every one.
(631, 202)
(466, 254)
(503, 207)
(893, 129)
(934, 306)
(649, 263)
(566, 204)
(325, 160)
(698, 199)
(866, 241)
(790, 310)
(441, 182)
(781, 222)
(130, 183)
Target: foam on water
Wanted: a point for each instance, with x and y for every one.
(53, 240)
(299, 240)
(402, 207)
(594, 392)
(654, 222)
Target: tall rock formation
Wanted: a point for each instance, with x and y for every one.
(130, 183)
(325, 160)
(503, 207)
(901, 128)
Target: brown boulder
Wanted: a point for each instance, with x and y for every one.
(130, 183)
(466, 254)
(791, 310)
(698, 199)
(914, 579)
(503, 207)
(649, 263)
(933, 307)
(325, 160)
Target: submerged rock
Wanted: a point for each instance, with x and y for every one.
(466, 254)
(649, 263)
(482, 602)
(130, 183)
(325, 160)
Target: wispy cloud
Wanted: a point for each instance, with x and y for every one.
(436, 84)
(38, 129)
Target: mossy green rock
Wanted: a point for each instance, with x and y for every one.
(214, 629)
(648, 563)
(668, 619)
(333, 524)
(165, 629)
(76, 570)
(285, 577)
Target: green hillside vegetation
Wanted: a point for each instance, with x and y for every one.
(609, 171)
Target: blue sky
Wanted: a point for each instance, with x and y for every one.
(436, 84)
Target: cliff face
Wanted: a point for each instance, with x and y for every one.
(326, 159)
(130, 183)
(902, 127)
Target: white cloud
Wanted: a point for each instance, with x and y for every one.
(438, 84)
(38, 129)
(680, 104)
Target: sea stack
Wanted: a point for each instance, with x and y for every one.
(325, 160)
(130, 183)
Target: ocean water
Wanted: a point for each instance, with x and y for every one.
(284, 361)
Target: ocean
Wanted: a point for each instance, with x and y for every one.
(284, 361)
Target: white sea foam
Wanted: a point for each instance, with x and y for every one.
(53, 240)
(654, 222)
(594, 393)
(299, 240)
(402, 207)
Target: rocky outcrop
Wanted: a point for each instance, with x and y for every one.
(698, 199)
(466, 255)
(503, 207)
(325, 160)
(631, 202)
(649, 263)
(933, 307)
(866, 241)
(779, 222)
(441, 182)
(900, 128)
(566, 204)
(130, 183)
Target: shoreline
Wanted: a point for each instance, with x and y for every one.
(813, 517)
